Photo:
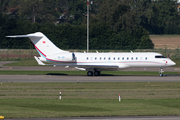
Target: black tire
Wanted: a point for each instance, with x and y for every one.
(89, 73)
(96, 73)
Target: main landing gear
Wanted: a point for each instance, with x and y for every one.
(161, 72)
(95, 73)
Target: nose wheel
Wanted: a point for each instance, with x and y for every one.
(161, 72)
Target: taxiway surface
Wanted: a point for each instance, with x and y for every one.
(109, 118)
(67, 78)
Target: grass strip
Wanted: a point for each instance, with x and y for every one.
(28, 100)
(92, 90)
(103, 73)
(29, 108)
(29, 62)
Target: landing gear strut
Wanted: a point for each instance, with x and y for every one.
(161, 72)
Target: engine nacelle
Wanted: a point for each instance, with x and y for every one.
(65, 57)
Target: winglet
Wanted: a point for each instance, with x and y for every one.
(39, 62)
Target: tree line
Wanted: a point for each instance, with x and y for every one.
(114, 24)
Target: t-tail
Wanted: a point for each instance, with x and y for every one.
(42, 44)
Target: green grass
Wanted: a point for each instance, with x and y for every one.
(90, 90)
(26, 100)
(103, 73)
(29, 62)
(29, 108)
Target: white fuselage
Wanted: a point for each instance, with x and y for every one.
(122, 60)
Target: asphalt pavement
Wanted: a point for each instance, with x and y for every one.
(108, 118)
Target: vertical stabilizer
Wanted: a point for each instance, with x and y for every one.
(42, 44)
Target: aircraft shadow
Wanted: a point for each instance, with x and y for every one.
(60, 74)
(106, 75)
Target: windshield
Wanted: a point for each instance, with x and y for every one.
(160, 56)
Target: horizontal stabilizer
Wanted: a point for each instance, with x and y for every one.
(39, 62)
(28, 35)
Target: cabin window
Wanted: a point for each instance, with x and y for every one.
(114, 58)
(104, 58)
(146, 58)
(109, 58)
(118, 58)
(100, 58)
(87, 58)
(160, 56)
(95, 58)
(136, 58)
(123, 58)
(132, 58)
(127, 58)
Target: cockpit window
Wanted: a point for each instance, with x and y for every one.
(160, 56)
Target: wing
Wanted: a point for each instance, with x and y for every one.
(95, 67)
(99, 67)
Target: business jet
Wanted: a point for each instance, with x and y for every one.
(94, 63)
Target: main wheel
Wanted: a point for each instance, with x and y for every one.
(89, 73)
(96, 73)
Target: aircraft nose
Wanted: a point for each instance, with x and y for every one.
(172, 63)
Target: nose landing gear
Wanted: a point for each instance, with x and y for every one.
(161, 72)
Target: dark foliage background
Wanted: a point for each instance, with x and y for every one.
(114, 24)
